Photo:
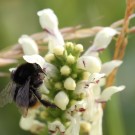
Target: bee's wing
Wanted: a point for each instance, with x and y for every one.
(22, 98)
(7, 94)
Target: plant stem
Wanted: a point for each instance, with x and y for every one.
(122, 41)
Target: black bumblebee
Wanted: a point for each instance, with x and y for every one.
(23, 88)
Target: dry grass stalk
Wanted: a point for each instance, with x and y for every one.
(69, 33)
(122, 40)
(3, 74)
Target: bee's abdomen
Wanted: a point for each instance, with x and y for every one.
(32, 102)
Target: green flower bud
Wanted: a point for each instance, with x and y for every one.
(65, 70)
(86, 75)
(61, 100)
(69, 45)
(85, 126)
(49, 57)
(58, 50)
(79, 48)
(69, 84)
(58, 85)
(70, 59)
(74, 76)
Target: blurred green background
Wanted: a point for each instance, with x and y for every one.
(19, 17)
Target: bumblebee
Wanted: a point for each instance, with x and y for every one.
(23, 88)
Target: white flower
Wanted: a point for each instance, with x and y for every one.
(89, 63)
(50, 70)
(61, 100)
(102, 40)
(69, 84)
(96, 126)
(88, 114)
(81, 85)
(108, 67)
(30, 123)
(93, 112)
(108, 92)
(49, 23)
(90, 53)
(85, 88)
(80, 88)
(82, 105)
(35, 59)
(48, 20)
(29, 46)
(79, 106)
(95, 77)
(56, 126)
(55, 41)
(96, 90)
(74, 126)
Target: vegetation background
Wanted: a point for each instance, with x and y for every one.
(19, 17)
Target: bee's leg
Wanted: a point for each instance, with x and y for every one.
(48, 104)
(44, 102)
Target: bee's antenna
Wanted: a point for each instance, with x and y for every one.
(44, 71)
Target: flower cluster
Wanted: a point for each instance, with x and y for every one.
(74, 81)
